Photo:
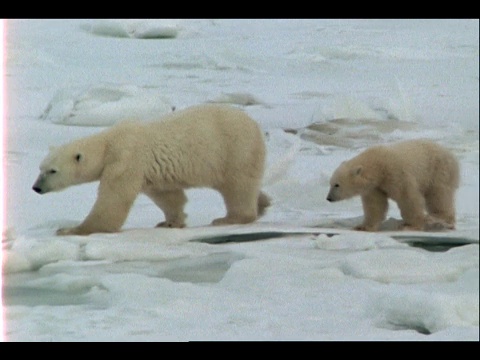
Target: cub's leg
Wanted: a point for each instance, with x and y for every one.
(412, 209)
(440, 203)
(375, 207)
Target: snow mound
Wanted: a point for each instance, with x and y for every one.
(354, 123)
(136, 29)
(28, 254)
(353, 133)
(355, 242)
(426, 311)
(105, 105)
(410, 265)
(66, 283)
(142, 245)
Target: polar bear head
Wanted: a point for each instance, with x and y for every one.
(347, 181)
(68, 165)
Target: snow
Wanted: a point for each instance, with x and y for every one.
(138, 29)
(322, 90)
(105, 105)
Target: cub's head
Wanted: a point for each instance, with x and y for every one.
(347, 181)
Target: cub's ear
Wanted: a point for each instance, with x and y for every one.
(357, 170)
(51, 148)
(78, 157)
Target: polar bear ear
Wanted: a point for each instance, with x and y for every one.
(357, 170)
(51, 148)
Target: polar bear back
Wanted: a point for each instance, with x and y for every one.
(423, 160)
(196, 147)
(428, 162)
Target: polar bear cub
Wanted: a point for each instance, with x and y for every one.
(213, 146)
(419, 175)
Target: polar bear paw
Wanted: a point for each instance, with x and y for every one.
(230, 220)
(363, 227)
(434, 224)
(67, 231)
(171, 224)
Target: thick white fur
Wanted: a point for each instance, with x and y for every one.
(213, 146)
(419, 175)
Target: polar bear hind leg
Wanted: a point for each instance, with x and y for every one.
(264, 201)
(440, 203)
(412, 208)
(241, 198)
(172, 204)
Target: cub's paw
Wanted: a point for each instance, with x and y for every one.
(409, 227)
(433, 224)
(365, 228)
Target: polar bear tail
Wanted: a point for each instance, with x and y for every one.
(264, 201)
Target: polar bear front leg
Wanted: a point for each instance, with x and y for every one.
(106, 216)
(172, 204)
(110, 211)
(375, 207)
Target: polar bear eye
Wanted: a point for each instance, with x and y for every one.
(336, 185)
(52, 171)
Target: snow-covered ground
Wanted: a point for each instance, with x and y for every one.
(322, 90)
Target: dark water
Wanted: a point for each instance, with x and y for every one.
(426, 242)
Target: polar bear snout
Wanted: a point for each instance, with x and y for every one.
(332, 194)
(331, 198)
(39, 186)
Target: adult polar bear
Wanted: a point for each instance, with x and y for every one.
(213, 146)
